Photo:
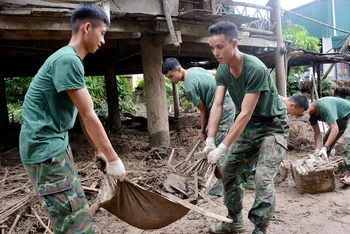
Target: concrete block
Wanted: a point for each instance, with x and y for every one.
(313, 174)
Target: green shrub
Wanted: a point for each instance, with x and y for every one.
(293, 85)
(328, 86)
(16, 88)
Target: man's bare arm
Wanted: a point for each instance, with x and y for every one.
(204, 120)
(248, 105)
(317, 136)
(82, 100)
(216, 111)
(334, 130)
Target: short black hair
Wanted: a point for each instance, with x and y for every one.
(227, 28)
(88, 12)
(300, 100)
(170, 64)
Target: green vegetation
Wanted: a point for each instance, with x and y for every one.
(16, 89)
(185, 104)
(301, 39)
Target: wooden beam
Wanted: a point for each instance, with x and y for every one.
(39, 3)
(166, 7)
(48, 35)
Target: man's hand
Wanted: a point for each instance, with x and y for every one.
(209, 145)
(116, 169)
(323, 153)
(100, 161)
(215, 155)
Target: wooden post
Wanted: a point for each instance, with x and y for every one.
(176, 101)
(112, 97)
(157, 111)
(281, 80)
(319, 88)
(4, 115)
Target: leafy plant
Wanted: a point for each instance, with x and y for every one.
(293, 85)
(15, 112)
(328, 87)
(16, 88)
(301, 38)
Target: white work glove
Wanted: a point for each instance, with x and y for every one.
(323, 153)
(209, 145)
(317, 151)
(215, 155)
(116, 169)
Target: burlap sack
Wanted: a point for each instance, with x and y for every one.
(141, 208)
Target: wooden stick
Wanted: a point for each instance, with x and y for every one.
(14, 223)
(205, 197)
(190, 154)
(18, 205)
(169, 161)
(14, 176)
(89, 189)
(5, 175)
(48, 225)
(195, 184)
(195, 208)
(41, 222)
(179, 190)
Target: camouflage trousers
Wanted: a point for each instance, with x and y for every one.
(262, 145)
(57, 184)
(344, 128)
(227, 119)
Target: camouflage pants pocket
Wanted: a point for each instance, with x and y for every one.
(57, 197)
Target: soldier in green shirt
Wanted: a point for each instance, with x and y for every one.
(55, 96)
(336, 113)
(200, 85)
(258, 137)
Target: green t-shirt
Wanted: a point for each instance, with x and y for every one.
(48, 112)
(331, 109)
(200, 85)
(254, 78)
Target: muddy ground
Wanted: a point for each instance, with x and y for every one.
(295, 212)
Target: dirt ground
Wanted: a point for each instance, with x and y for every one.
(295, 212)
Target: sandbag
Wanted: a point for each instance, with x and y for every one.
(141, 208)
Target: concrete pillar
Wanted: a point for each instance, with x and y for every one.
(157, 111)
(112, 97)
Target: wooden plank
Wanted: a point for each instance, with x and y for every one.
(39, 3)
(195, 208)
(194, 13)
(16, 12)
